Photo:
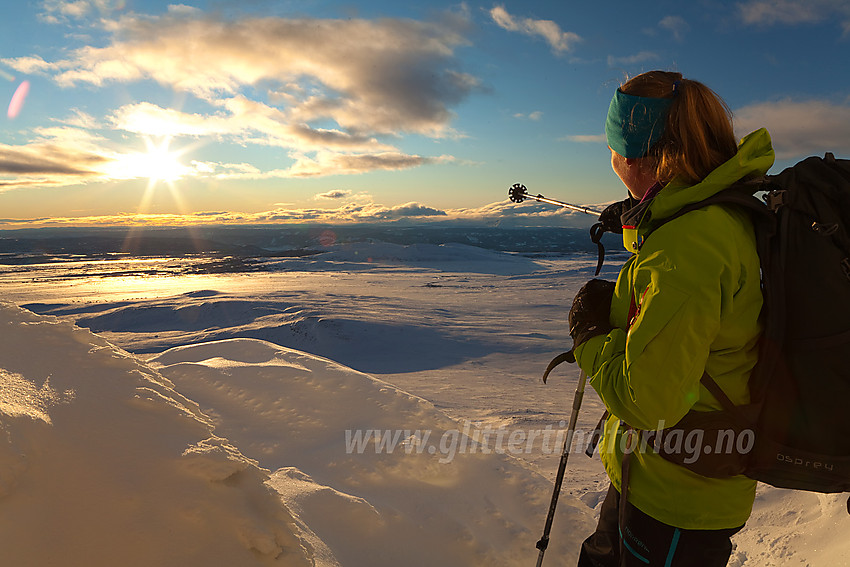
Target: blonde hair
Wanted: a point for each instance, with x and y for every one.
(698, 135)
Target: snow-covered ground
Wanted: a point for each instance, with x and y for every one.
(374, 405)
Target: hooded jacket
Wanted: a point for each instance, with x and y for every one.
(686, 302)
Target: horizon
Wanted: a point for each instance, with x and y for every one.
(262, 113)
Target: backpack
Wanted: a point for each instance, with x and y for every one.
(793, 433)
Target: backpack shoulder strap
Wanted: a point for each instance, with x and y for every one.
(741, 194)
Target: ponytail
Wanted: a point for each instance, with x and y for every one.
(698, 135)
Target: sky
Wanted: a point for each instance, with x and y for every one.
(130, 112)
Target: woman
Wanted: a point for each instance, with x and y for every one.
(685, 303)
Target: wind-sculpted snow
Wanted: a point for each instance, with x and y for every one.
(435, 498)
(107, 460)
(102, 462)
(357, 339)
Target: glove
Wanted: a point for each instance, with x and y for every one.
(591, 311)
(610, 217)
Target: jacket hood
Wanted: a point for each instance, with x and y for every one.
(754, 158)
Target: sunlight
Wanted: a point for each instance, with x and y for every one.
(157, 164)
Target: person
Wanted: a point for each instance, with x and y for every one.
(686, 302)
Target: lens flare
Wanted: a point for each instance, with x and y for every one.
(18, 99)
(327, 238)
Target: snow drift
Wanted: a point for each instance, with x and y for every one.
(102, 462)
(109, 460)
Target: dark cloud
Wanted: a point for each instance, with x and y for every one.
(337, 194)
(412, 210)
(369, 76)
(46, 160)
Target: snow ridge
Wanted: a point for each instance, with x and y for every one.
(106, 459)
(102, 462)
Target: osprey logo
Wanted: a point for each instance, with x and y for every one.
(805, 463)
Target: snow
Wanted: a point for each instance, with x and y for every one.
(104, 463)
(254, 422)
(367, 508)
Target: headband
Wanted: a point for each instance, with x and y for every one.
(635, 123)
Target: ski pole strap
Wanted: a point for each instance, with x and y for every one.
(563, 357)
(596, 232)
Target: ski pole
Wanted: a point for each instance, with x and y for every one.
(519, 193)
(562, 466)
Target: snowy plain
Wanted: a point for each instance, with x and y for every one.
(373, 405)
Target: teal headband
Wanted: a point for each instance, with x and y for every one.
(635, 123)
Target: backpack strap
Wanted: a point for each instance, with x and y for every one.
(718, 393)
(597, 435)
(766, 224)
(625, 478)
(741, 194)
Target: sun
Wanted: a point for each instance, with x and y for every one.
(160, 163)
(157, 163)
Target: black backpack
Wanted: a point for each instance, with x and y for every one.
(794, 433)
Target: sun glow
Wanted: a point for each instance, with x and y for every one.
(158, 163)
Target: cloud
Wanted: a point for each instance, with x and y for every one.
(795, 12)
(60, 11)
(31, 65)
(799, 128)
(326, 91)
(502, 213)
(81, 120)
(335, 194)
(411, 210)
(791, 12)
(641, 57)
(63, 156)
(676, 25)
(559, 41)
(152, 120)
(382, 76)
(243, 121)
(58, 156)
(46, 160)
(585, 138)
(535, 116)
(348, 213)
(333, 163)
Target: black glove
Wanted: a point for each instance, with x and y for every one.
(610, 217)
(591, 311)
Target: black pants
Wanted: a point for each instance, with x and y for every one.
(648, 542)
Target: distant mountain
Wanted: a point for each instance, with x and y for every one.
(29, 245)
